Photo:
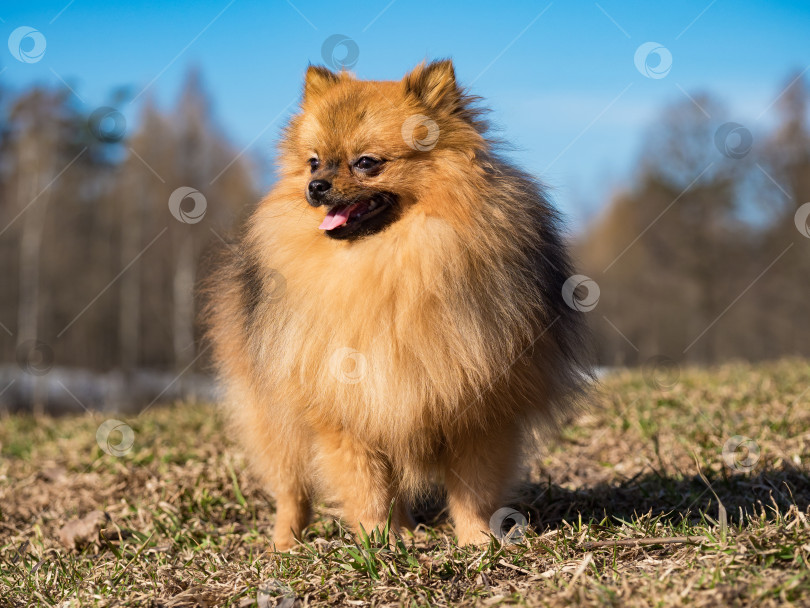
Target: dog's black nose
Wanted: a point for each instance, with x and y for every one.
(317, 188)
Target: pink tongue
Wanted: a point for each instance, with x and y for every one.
(337, 217)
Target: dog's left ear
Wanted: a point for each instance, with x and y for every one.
(434, 85)
(317, 80)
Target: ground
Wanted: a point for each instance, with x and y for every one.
(719, 458)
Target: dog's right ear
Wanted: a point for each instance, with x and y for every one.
(318, 80)
(434, 85)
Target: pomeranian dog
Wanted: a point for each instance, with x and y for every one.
(393, 317)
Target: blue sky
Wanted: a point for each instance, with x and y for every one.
(559, 76)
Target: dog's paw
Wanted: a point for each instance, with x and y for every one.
(283, 543)
(472, 537)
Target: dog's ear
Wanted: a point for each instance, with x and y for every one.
(434, 85)
(317, 80)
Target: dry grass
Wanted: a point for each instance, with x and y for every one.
(185, 526)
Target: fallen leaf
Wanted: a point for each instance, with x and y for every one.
(54, 474)
(79, 531)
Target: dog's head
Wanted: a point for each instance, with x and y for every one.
(364, 152)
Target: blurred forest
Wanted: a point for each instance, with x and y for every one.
(699, 259)
(705, 256)
(98, 274)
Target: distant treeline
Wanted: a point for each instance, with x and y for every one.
(103, 228)
(704, 257)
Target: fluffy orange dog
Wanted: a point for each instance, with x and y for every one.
(394, 315)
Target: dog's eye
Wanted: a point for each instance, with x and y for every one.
(366, 163)
(314, 163)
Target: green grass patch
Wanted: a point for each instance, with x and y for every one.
(183, 524)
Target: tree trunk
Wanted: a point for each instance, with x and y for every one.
(30, 247)
(130, 310)
(183, 288)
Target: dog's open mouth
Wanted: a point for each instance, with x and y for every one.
(364, 217)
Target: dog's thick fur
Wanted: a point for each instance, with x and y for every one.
(452, 315)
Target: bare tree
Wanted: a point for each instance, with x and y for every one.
(38, 137)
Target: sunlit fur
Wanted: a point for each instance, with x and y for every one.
(455, 308)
